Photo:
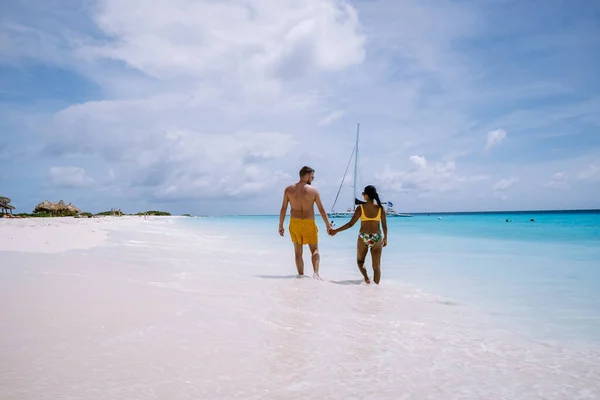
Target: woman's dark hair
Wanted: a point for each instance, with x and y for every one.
(372, 193)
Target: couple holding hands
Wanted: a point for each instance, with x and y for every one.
(302, 197)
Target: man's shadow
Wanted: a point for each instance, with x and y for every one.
(282, 276)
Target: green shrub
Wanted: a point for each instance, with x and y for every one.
(154, 212)
(105, 213)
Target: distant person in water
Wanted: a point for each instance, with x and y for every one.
(372, 221)
(303, 228)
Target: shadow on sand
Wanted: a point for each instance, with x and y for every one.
(281, 276)
(349, 282)
(345, 282)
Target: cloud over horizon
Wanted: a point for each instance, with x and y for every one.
(212, 107)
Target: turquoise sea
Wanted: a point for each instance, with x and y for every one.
(540, 278)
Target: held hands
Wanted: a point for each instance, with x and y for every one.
(331, 231)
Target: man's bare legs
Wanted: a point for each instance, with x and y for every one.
(315, 258)
(361, 255)
(298, 258)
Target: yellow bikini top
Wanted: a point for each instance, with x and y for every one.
(363, 217)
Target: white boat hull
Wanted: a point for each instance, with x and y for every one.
(395, 214)
(340, 214)
(345, 214)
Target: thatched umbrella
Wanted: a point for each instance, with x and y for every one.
(5, 205)
(59, 208)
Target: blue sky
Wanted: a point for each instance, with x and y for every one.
(212, 107)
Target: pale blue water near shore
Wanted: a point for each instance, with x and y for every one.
(541, 278)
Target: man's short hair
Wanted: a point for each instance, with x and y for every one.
(305, 171)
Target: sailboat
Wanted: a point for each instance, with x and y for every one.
(350, 210)
(389, 211)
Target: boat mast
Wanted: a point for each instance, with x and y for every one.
(355, 165)
(343, 180)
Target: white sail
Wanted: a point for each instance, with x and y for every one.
(350, 210)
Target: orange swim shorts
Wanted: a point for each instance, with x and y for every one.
(304, 231)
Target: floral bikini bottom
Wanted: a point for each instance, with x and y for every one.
(370, 239)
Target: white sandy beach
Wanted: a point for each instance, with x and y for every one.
(128, 308)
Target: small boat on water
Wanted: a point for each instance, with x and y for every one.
(390, 212)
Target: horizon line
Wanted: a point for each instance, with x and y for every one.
(582, 210)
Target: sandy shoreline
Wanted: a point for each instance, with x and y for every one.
(127, 308)
(55, 235)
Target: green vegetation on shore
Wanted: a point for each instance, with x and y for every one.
(46, 214)
(48, 209)
(154, 212)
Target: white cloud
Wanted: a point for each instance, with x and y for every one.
(505, 183)
(425, 177)
(69, 177)
(154, 145)
(558, 181)
(331, 117)
(591, 173)
(210, 69)
(419, 161)
(251, 180)
(265, 38)
(494, 138)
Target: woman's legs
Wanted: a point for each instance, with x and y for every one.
(376, 260)
(361, 254)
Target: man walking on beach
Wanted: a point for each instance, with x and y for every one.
(303, 228)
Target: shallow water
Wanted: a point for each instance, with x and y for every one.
(541, 277)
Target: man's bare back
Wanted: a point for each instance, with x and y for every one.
(302, 198)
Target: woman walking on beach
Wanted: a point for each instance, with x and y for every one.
(369, 238)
